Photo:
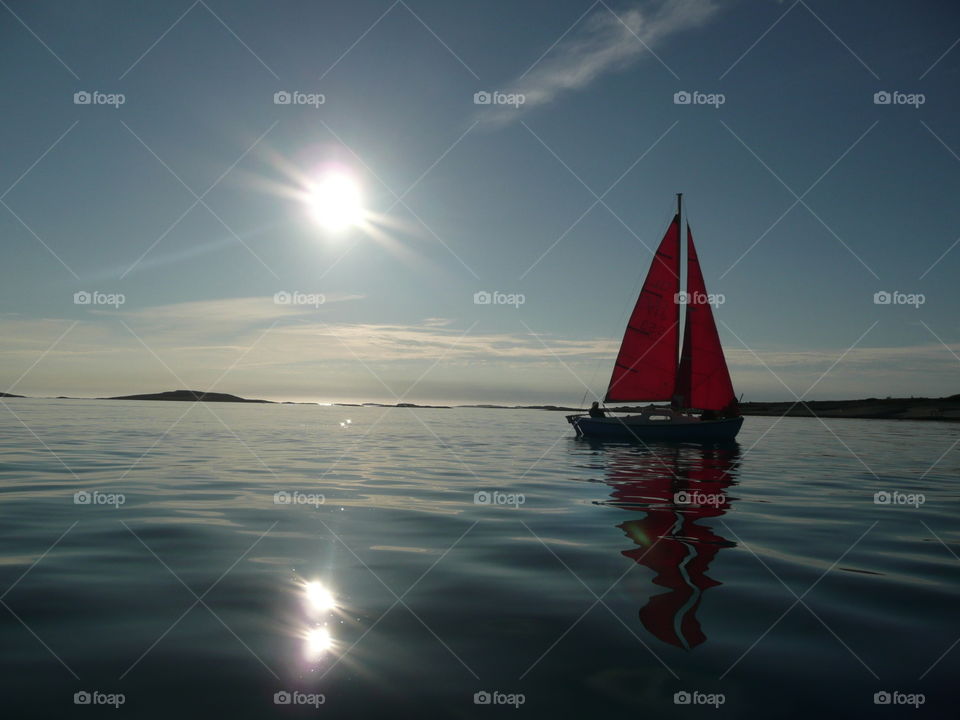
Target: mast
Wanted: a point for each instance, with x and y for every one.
(683, 289)
(675, 398)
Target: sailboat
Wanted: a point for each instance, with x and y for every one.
(703, 406)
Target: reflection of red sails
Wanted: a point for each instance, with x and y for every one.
(675, 487)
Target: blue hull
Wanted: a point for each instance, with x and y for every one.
(704, 431)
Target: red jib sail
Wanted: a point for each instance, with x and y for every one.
(703, 381)
(646, 368)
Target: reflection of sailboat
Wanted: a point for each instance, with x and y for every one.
(675, 487)
(647, 367)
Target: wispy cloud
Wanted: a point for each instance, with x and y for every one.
(606, 40)
(300, 352)
(287, 351)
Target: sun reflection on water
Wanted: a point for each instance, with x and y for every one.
(319, 598)
(319, 606)
(317, 641)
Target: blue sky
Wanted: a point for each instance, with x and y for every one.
(491, 197)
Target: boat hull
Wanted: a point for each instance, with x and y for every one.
(640, 429)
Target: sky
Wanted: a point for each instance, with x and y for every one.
(178, 200)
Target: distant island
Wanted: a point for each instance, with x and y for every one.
(399, 405)
(188, 396)
(946, 408)
(942, 409)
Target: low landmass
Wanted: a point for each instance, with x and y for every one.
(946, 408)
(524, 407)
(390, 405)
(943, 409)
(188, 396)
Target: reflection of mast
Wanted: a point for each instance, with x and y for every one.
(670, 540)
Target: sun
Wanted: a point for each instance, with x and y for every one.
(335, 201)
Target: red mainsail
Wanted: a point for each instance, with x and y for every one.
(703, 381)
(646, 368)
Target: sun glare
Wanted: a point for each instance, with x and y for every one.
(317, 642)
(336, 202)
(319, 597)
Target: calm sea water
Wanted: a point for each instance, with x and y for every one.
(178, 578)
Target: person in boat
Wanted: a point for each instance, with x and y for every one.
(732, 409)
(595, 411)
